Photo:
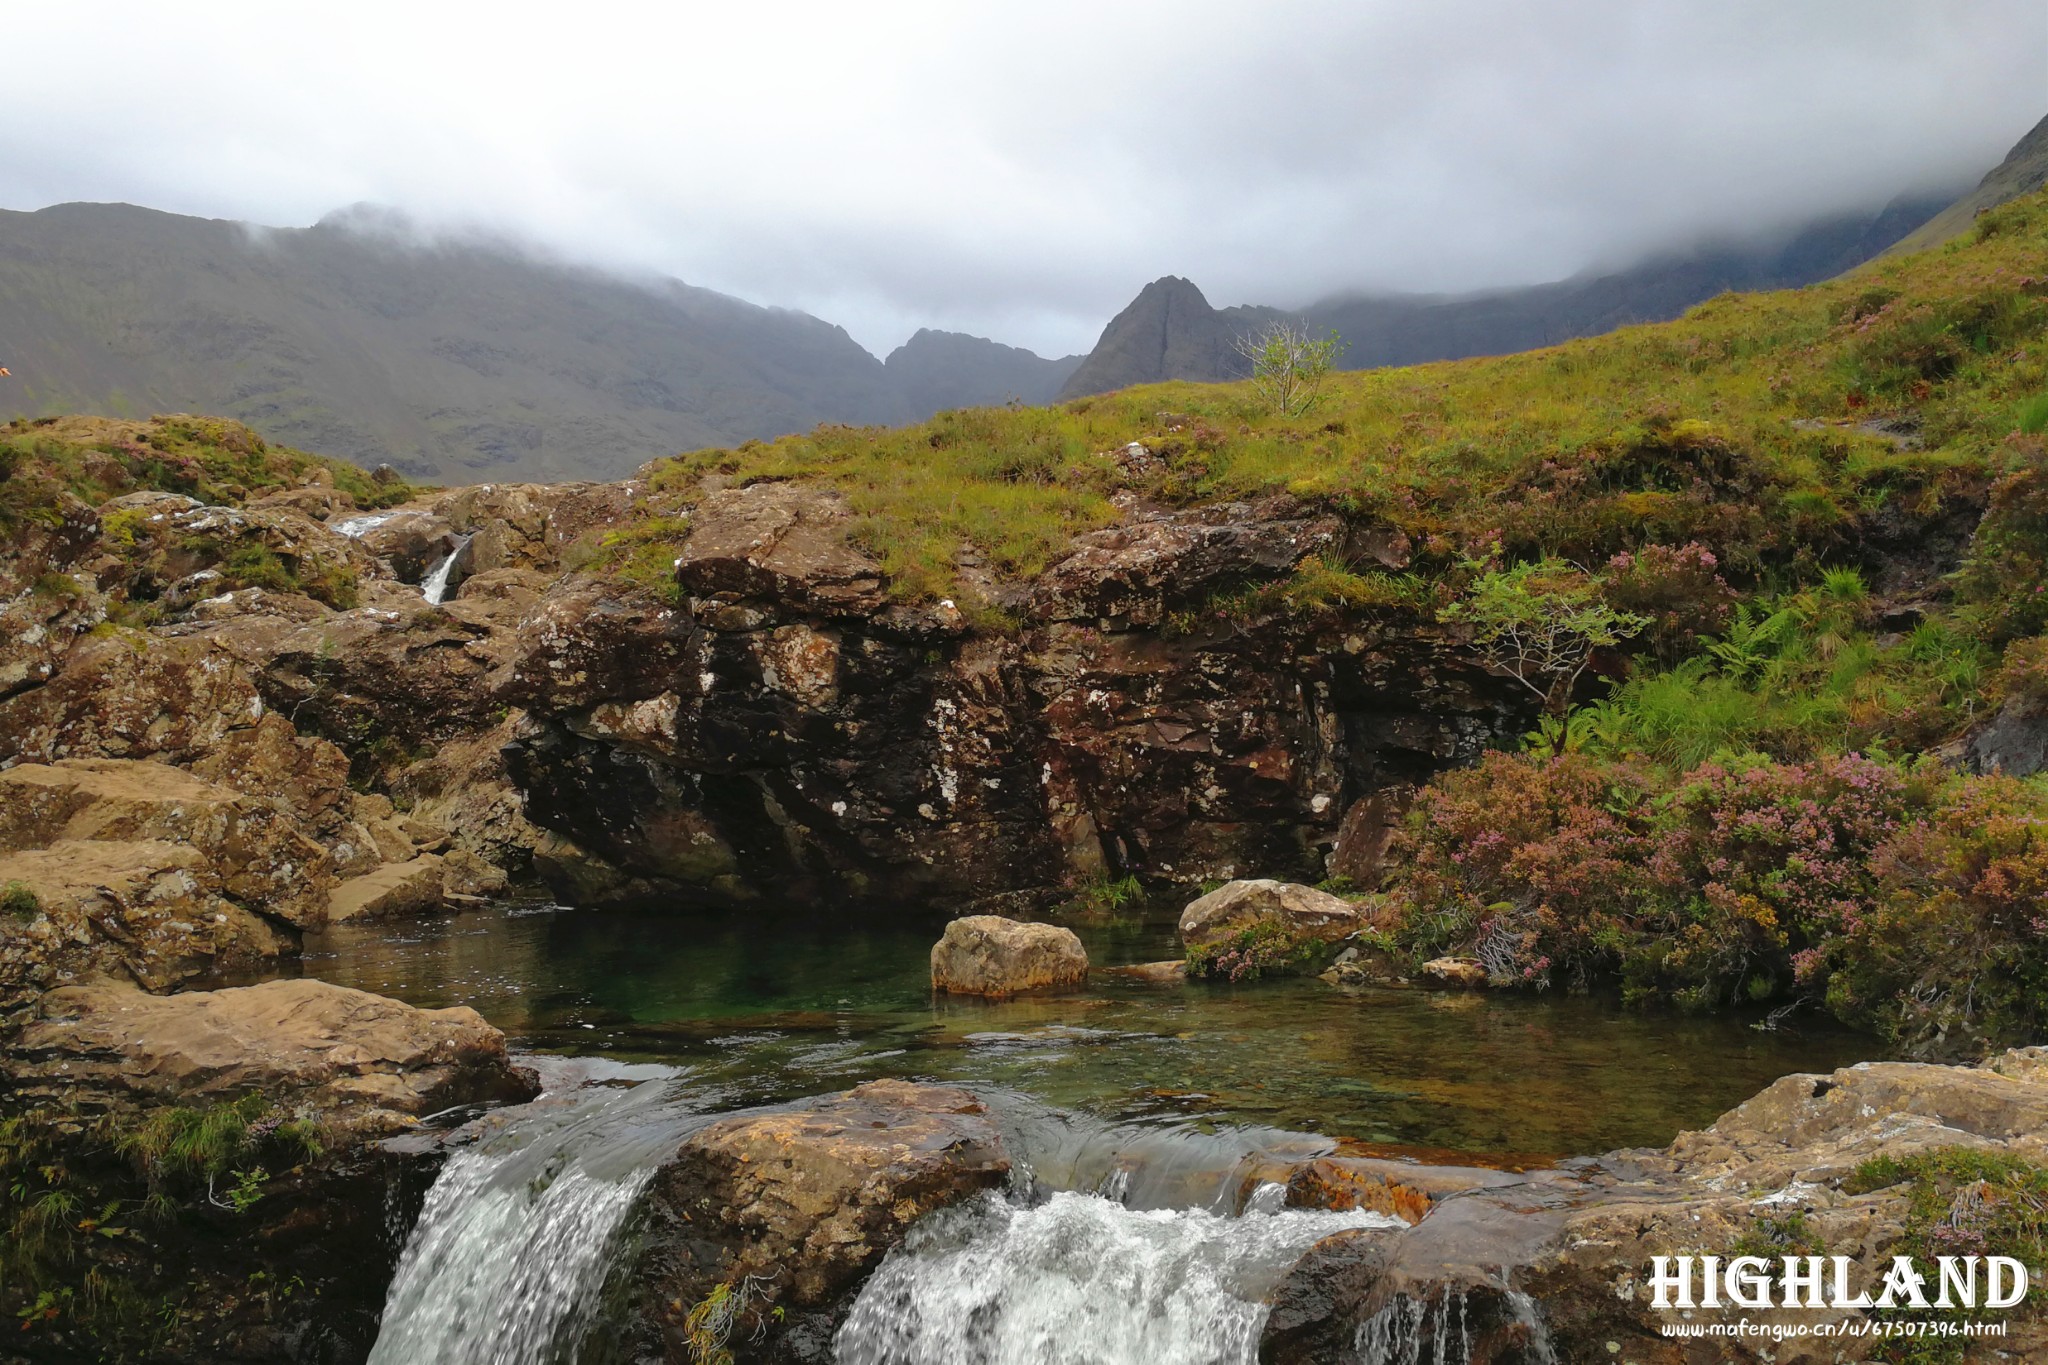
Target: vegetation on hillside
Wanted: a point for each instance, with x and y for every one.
(1765, 511)
(46, 461)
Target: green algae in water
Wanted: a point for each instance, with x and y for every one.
(768, 1007)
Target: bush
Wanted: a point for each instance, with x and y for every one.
(1677, 591)
(19, 900)
(1909, 902)
(2001, 583)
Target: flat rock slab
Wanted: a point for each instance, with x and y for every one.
(407, 888)
(364, 1063)
(992, 956)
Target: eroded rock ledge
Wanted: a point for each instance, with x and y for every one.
(1562, 1256)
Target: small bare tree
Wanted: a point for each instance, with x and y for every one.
(1288, 365)
(1540, 624)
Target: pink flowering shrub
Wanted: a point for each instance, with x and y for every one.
(1680, 591)
(1955, 955)
(1911, 902)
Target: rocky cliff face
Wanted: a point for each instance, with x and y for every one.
(205, 758)
(787, 726)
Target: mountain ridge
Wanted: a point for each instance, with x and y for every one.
(459, 361)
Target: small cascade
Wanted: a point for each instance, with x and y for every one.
(508, 1257)
(355, 528)
(1442, 1330)
(435, 587)
(1080, 1278)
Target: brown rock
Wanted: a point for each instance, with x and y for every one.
(1293, 913)
(1362, 838)
(1171, 973)
(261, 857)
(1132, 574)
(1463, 973)
(993, 956)
(365, 1063)
(808, 1201)
(393, 890)
(782, 542)
(144, 910)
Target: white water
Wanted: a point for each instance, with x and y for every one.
(435, 589)
(355, 528)
(1440, 1331)
(508, 1256)
(1081, 1280)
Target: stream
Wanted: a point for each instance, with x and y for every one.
(1136, 1108)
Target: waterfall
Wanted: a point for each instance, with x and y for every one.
(355, 528)
(435, 588)
(505, 1264)
(1440, 1330)
(1081, 1280)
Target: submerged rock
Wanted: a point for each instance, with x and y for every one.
(1269, 925)
(793, 1208)
(360, 1063)
(993, 956)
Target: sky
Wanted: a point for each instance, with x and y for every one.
(1020, 170)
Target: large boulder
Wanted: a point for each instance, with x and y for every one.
(1264, 926)
(794, 1208)
(261, 856)
(993, 956)
(362, 1063)
(143, 910)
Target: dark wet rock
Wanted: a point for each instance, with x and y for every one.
(992, 956)
(799, 1205)
(1362, 838)
(2015, 741)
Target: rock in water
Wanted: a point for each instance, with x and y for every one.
(990, 955)
(795, 1208)
(1465, 973)
(1266, 925)
(366, 1064)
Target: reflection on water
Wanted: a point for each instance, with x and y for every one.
(765, 1008)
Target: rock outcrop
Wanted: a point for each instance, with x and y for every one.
(1552, 1265)
(720, 694)
(992, 956)
(360, 1063)
(786, 726)
(1268, 924)
(794, 1208)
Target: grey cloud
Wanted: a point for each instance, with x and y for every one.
(1018, 170)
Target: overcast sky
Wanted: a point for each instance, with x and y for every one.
(1019, 170)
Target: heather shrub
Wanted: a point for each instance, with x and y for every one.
(1770, 859)
(1909, 902)
(1678, 591)
(2023, 671)
(1539, 861)
(1955, 952)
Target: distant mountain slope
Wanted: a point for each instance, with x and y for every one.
(934, 371)
(1171, 332)
(2024, 170)
(455, 362)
